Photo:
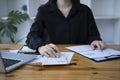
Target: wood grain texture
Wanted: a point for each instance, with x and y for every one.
(80, 68)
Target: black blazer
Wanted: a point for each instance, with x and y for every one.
(50, 26)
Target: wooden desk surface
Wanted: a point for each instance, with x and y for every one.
(84, 69)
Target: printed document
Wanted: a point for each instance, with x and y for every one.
(96, 54)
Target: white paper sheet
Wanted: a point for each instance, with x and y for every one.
(25, 49)
(65, 58)
(13, 51)
(87, 51)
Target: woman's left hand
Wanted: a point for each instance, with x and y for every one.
(98, 44)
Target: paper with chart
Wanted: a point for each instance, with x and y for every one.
(65, 58)
(87, 51)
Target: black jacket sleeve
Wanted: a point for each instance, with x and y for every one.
(35, 37)
(93, 33)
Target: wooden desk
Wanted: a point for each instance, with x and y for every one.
(84, 69)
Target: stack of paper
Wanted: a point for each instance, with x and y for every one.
(96, 54)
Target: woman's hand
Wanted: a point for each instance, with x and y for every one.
(98, 44)
(49, 50)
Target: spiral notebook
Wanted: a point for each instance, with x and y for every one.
(96, 55)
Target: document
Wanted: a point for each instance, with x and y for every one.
(65, 58)
(96, 54)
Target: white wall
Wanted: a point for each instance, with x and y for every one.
(3, 8)
(106, 29)
(33, 6)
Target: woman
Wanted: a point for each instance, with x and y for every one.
(63, 22)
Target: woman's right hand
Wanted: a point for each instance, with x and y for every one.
(49, 50)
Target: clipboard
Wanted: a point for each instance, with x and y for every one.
(111, 57)
(96, 55)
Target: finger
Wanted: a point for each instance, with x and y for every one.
(48, 52)
(92, 46)
(51, 51)
(43, 51)
(54, 52)
(98, 46)
(55, 48)
(102, 45)
(45, 54)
